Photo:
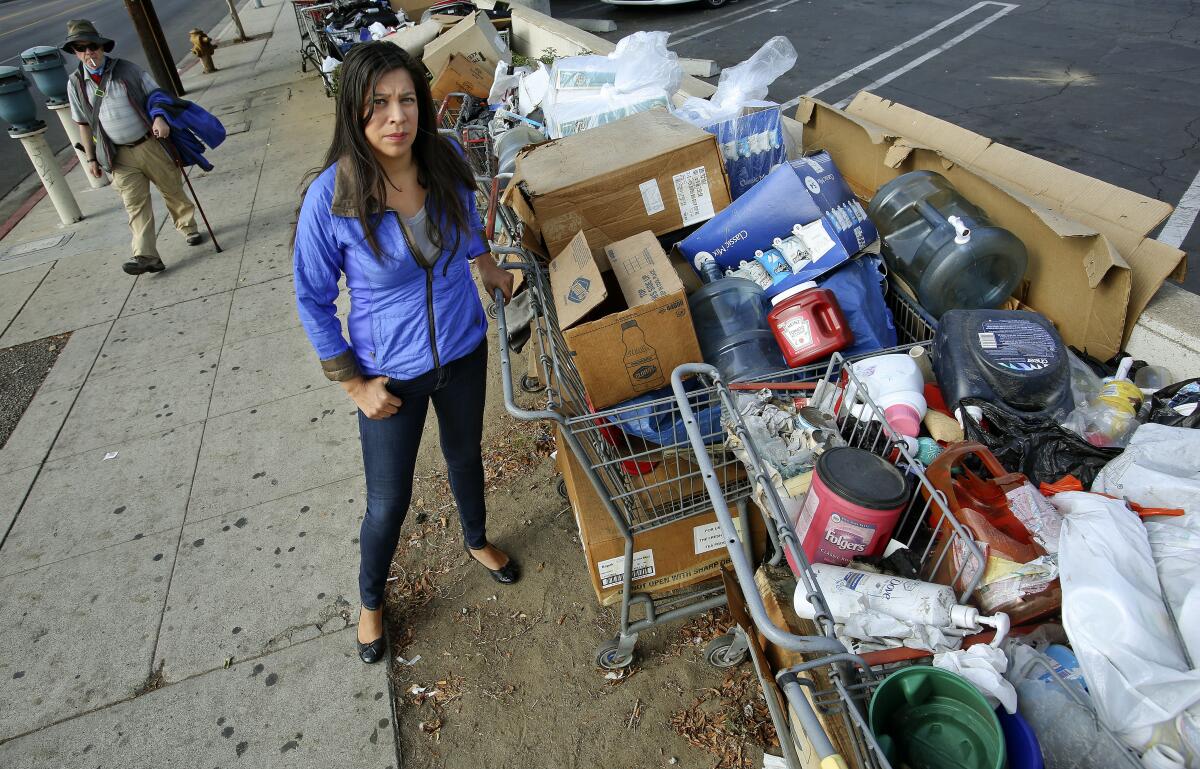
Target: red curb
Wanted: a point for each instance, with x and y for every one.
(33, 200)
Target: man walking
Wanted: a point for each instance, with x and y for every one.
(108, 102)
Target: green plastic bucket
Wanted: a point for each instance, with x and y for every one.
(927, 718)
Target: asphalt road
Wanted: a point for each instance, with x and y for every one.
(28, 23)
(1109, 88)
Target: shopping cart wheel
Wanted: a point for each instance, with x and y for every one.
(532, 384)
(719, 653)
(562, 488)
(610, 657)
(492, 310)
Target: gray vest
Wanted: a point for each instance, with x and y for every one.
(118, 69)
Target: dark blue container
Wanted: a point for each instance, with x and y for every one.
(1011, 358)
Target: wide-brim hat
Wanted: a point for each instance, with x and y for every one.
(84, 31)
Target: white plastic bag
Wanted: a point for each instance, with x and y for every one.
(1113, 612)
(1159, 468)
(1175, 543)
(743, 85)
(589, 91)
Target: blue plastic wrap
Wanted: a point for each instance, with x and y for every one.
(752, 145)
(858, 286)
(658, 421)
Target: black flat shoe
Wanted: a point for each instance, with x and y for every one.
(371, 653)
(507, 574)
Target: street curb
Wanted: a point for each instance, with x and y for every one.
(34, 198)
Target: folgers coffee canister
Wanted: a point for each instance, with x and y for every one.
(851, 508)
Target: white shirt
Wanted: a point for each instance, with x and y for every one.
(121, 122)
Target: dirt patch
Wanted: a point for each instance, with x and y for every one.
(23, 368)
(505, 675)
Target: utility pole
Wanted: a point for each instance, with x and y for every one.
(237, 21)
(154, 43)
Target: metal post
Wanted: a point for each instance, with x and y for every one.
(64, 116)
(237, 20)
(46, 165)
(162, 66)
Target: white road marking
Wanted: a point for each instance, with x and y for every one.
(893, 51)
(774, 6)
(1181, 222)
(889, 77)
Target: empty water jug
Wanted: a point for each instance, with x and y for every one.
(943, 246)
(730, 316)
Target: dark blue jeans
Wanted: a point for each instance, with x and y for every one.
(389, 449)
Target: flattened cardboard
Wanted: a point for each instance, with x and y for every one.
(1078, 276)
(627, 354)
(576, 282)
(474, 38)
(462, 76)
(642, 268)
(621, 179)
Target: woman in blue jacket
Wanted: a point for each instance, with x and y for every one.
(393, 210)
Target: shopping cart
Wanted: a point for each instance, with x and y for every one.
(827, 695)
(315, 46)
(643, 484)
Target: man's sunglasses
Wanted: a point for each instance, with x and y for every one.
(85, 47)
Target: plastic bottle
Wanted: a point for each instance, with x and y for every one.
(808, 324)
(848, 591)
(1153, 378)
(943, 246)
(775, 264)
(730, 318)
(895, 383)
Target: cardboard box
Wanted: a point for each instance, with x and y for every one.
(474, 38)
(681, 553)
(462, 76)
(413, 39)
(642, 268)
(1092, 268)
(650, 171)
(640, 336)
(413, 8)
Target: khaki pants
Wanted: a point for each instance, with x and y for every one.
(133, 171)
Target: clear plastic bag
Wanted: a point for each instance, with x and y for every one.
(743, 85)
(589, 91)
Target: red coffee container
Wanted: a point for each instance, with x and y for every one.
(808, 324)
(852, 507)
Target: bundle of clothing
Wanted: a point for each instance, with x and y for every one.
(192, 127)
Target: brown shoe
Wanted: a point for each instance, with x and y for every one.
(139, 264)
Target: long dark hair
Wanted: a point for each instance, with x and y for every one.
(441, 169)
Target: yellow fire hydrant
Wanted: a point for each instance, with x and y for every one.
(203, 47)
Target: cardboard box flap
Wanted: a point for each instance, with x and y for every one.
(557, 165)
(576, 282)
(1077, 195)
(1152, 262)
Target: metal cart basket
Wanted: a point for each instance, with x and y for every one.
(314, 45)
(830, 694)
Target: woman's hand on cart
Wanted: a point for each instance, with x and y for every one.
(494, 277)
(372, 396)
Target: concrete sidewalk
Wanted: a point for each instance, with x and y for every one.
(182, 498)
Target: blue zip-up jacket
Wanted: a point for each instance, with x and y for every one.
(192, 127)
(405, 318)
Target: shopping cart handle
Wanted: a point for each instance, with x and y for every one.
(742, 567)
(527, 263)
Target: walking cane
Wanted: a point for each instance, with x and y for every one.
(170, 148)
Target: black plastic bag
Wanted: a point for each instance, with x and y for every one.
(1180, 393)
(1037, 447)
